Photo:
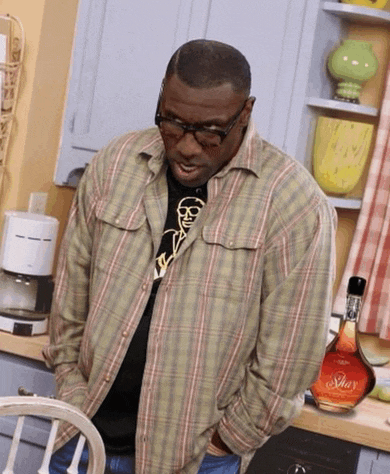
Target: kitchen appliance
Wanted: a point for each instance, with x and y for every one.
(26, 263)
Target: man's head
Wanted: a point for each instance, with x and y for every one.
(205, 64)
(204, 108)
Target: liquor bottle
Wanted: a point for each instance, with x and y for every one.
(346, 376)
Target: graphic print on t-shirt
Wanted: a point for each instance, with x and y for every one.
(186, 212)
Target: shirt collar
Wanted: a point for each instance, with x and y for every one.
(249, 154)
(154, 151)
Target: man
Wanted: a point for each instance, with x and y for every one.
(190, 341)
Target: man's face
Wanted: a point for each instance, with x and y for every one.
(191, 163)
(187, 211)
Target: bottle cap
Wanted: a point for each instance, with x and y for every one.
(356, 286)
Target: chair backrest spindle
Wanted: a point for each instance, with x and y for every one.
(44, 469)
(9, 468)
(72, 469)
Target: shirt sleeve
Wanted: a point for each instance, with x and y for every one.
(298, 276)
(70, 300)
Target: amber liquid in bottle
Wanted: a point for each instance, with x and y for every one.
(346, 377)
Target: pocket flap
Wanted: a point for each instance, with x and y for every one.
(240, 238)
(122, 217)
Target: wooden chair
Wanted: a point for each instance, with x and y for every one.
(56, 411)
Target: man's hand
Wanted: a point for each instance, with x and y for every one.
(217, 447)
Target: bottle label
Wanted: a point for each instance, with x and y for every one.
(343, 380)
(352, 308)
(340, 381)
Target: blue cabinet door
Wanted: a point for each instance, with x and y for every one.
(18, 372)
(120, 54)
(269, 34)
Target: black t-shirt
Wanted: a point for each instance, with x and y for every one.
(117, 417)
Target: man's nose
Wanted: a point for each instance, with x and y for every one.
(188, 145)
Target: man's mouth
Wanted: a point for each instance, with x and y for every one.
(187, 168)
(186, 173)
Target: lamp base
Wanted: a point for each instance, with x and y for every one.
(348, 92)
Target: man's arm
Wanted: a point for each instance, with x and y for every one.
(295, 311)
(70, 301)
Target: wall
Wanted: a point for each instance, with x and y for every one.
(49, 27)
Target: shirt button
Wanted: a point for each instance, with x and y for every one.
(125, 333)
(107, 378)
(144, 286)
(117, 221)
(231, 243)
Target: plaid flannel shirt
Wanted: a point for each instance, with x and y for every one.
(241, 317)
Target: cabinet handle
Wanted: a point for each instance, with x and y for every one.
(26, 393)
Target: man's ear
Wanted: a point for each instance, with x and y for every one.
(246, 113)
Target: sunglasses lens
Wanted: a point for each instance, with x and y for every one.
(172, 129)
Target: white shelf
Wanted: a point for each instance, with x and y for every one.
(357, 13)
(345, 203)
(343, 106)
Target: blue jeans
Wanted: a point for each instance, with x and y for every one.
(121, 464)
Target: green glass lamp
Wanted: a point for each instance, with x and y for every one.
(352, 64)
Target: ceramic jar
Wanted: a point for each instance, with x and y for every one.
(341, 148)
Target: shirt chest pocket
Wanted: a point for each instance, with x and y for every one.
(234, 257)
(120, 228)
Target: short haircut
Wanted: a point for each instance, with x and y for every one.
(205, 63)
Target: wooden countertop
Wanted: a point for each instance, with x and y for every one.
(26, 346)
(366, 425)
